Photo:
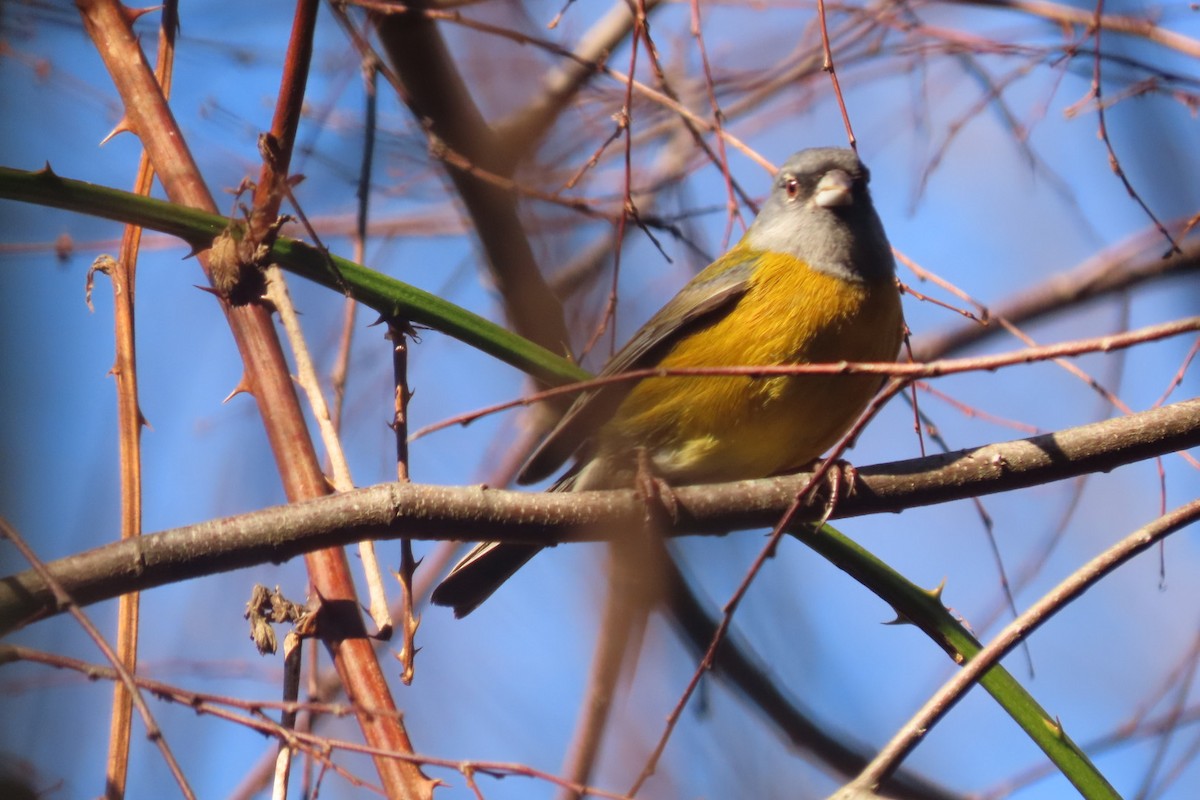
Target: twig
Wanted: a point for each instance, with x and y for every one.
(398, 334)
(64, 601)
(1102, 129)
(828, 66)
(910, 371)
(1013, 633)
(130, 422)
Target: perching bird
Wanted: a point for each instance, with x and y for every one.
(811, 281)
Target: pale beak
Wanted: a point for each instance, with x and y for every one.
(834, 189)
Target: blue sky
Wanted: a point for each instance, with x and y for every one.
(504, 684)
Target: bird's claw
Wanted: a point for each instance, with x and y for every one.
(655, 492)
(841, 479)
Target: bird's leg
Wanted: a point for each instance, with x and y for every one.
(655, 492)
(840, 479)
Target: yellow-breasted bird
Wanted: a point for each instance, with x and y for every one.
(811, 281)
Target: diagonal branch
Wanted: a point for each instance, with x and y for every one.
(435, 92)
(267, 378)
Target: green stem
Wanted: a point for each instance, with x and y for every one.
(390, 297)
(924, 608)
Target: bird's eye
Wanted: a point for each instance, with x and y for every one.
(791, 186)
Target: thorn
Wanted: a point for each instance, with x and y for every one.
(266, 302)
(132, 15)
(936, 592)
(64, 246)
(243, 386)
(121, 127)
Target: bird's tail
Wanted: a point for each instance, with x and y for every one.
(488, 565)
(480, 573)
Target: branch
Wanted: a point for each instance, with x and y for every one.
(266, 376)
(1145, 27)
(1016, 631)
(390, 511)
(437, 95)
(1131, 263)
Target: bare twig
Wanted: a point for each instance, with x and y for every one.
(1114, 163)
(398, 334)
(64, 601)
(130, 422)
(909, 371)
(1145, 27)
(1016, 631)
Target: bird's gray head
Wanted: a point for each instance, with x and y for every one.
(820, 211)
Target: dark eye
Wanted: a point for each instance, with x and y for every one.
(792, 187)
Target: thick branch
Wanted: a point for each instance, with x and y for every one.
(389, 511)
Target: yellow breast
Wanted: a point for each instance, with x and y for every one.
(707, 429)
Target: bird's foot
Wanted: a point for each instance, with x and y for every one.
(655, 492)
(840, 481)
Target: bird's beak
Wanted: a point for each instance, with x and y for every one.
(834, 189)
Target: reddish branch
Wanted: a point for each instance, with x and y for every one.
(267, 378)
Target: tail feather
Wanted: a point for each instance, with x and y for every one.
(480, 573)
(488, 565)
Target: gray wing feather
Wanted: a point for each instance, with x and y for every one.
(718, 287)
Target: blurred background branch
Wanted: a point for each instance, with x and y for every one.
(513, 144)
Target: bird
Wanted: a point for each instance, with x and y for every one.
(812, 280)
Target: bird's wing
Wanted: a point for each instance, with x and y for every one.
(706, 297)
